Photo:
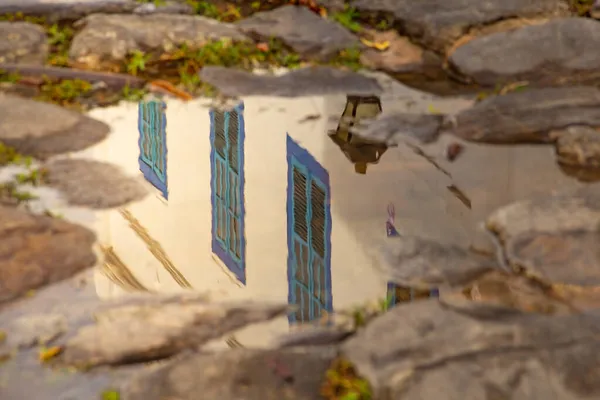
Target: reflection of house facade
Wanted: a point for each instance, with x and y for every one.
(249, 209)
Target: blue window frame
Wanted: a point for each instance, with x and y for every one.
(309, 235)
(152, 127)
(227, 188)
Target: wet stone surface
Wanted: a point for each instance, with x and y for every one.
(54, 130)
(23, 43)
(438, 23)
(107, 39)
(578, 146)
(38, 251)
(302, 82)
(527, 116)
(418, 263)
(93, 184)
(548, 54)
(270, 375)
(157, 330)
(393, 128)
(304, 31)
(402, 58)
(444, 346)
(518, 319)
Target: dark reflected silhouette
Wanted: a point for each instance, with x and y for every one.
(359, 151)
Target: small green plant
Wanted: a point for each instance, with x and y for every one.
(9, 155)
(343, 383)
(348, 19)
(205, 8)
(137, 62)
(58, 36)
(157, 3)
(382, 25)
(132, 94)
(255, 5)
(9, 77)
(349, 58)
(66, 92)
(33, 177)
(9, 191)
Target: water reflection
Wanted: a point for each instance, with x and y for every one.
(261, 204)
(359, 151)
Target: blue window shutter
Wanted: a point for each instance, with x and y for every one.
(152, 143)
(309, 236)
(227, 137)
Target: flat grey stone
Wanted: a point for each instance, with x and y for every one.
(304, 31)
(302, 82)
(394, 128)
(315, 336)
(155, 330)
(577, 210)
(578, 146)
(235, 375)
(511, 291)
(41, 129)
(567, 257)
(527, 116)
(430, 349)
(23, 43)
(424, 264)
(54, 10)
(560, 51)
(438, 23)
(93, 184)
(105, 39)
(37, 250)
(33, 330)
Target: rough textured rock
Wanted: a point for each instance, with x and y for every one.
(554, 240)
(578, 146)
(420, 263)
(438, 23)
(315, 336)
(571, 257)
(527, 116)
(302, 30)
(238, 374)
(402, 58)
(302, 82)
(39, 250)
(512, 291)
(158, 329)
(477, 351)
(393, 128)
(93, 184)
(22, 42)
(106, 39)
(42, 129)
(33, 330)
(577, 210)
(54, 10)
(547, 54)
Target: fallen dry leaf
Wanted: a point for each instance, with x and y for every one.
(381, 46)
(169, 88)
(262, 46)
(46, 354)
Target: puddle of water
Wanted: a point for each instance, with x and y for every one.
(260, 203)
